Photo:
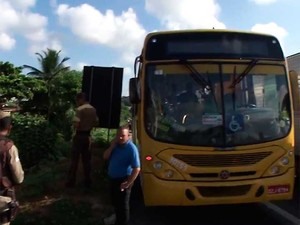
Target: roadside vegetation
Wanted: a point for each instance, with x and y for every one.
(45, 200)
(44, 103)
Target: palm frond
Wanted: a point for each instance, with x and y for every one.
(34, 71)
(50, 64)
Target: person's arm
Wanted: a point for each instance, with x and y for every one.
(76, 120)
(16, 166)
(75, 125)
(135, 164)
(131, 178)
(107, 152)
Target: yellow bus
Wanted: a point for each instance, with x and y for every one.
(213, 118)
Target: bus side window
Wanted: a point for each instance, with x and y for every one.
(286, 106)
(282, 94)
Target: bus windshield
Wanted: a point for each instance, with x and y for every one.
(181, 110)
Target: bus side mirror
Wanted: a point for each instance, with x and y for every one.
(134, 91)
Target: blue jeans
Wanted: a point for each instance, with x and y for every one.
(120, 200)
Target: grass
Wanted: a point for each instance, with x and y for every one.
(45, 200)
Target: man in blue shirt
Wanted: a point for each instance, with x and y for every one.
(123, 169)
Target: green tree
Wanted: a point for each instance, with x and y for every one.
(39, 137)
(15, 88)
(67, 85)
(51, 66)
(21, 90)
(8, 68)
(125, 113)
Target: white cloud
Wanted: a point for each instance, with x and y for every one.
(184, 14)
(79, 66)
(22, 4)
(16, 20)
(52, 43)
(6, 42)
(8, 16)
(122, 32)
(33, 27)
(271, 28)
(263, 2)
(127, 74)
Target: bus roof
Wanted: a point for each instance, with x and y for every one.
(211, 44)
(206, 31)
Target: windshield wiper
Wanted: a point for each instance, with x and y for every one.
(244, 73)
(196, 75)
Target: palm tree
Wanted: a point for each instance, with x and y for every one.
(51, 66)
(50, 63)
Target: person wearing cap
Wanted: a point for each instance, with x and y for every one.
(84, 121)
(11, 170)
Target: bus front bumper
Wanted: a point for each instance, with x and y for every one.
(159, 192)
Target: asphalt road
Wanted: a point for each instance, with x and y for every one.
(277, 213)
(292, 206)
(246, 214)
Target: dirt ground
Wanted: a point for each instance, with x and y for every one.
(50, 201)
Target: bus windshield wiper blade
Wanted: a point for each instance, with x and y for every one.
(244, 73)
(196, 75)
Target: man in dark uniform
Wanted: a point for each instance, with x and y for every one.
(11, 171)
(84, 121)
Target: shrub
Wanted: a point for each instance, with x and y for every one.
(102, 136)
(35, 138)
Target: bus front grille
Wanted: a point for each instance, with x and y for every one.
(216, 175)
(224, 191)
(221, 160)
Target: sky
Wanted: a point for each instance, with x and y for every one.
(110, 33)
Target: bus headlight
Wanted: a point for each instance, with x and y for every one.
(169, 173)
(157, 165)
(284, 160)
(275, 170)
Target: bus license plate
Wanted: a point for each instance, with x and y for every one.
(278, 189)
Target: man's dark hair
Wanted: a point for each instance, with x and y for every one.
(5, 123)
(81, 95)
(124, 127)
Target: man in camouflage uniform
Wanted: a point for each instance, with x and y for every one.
(84, 120)
(11, 171)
